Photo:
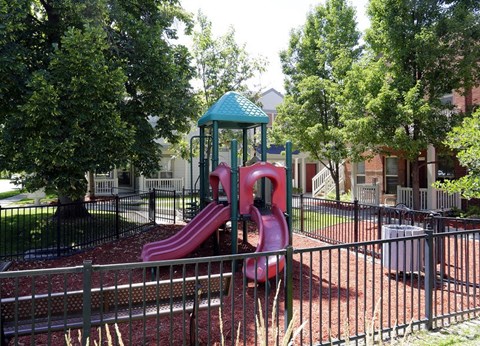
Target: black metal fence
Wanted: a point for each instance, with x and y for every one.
(336, 222)
(47, 231)
(336, 291)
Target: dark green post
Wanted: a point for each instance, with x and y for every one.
(429, 278)
(234, 194)
(245, 147)
(264, 158)
(355, 220)
(288, 163)
(288, 285)
(215, 146)
(245, 159)
(87, 301)
(201, 166)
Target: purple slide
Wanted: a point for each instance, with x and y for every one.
(190, 237)
(273, 235)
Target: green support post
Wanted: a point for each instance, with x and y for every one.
(288, 286)
(87, 301)
(245, 147)
(201, 163)
(215, 146)
(234, 194)
(245, 159)
(264, 158)
(288, 149)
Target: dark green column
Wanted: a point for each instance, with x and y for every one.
(215, 145)
(264, 159)
(288, 163)
(245, 159)
(202, 162)
(234, 194)
(245, 147)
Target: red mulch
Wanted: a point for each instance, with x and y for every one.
(334, 291)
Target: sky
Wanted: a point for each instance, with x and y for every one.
(264, 26)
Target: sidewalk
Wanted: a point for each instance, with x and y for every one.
(11, 201)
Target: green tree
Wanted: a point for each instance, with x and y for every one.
(89, 85)
(463, 140)
(222, 65)
(316, 63)
(417, 55)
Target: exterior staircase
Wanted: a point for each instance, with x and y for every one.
(323, 184)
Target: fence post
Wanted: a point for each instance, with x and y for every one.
(174, 207)
(117, 216)
(153, 196)
(355, 220)
(59, 229)
(302, 214)
(87, 301)
(183, 202)
(379, 223)
(288, 286)
(429, 277)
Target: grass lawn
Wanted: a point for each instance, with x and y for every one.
(36, 228)
(316, 220)
(458, 334)
(8, 194)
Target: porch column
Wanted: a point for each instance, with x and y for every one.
(304, 175)
(431, 177)
(115, 180)
(353, 180)
(141, 184)
(296, 173)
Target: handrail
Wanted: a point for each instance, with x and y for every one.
(323, 182)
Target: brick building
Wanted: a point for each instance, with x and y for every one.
(386, 179)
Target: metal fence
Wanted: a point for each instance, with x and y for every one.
(335, 290)
(336, 222)
(48, 231)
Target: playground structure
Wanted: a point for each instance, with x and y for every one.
(233, 111)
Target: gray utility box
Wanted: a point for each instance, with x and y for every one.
(403, 255)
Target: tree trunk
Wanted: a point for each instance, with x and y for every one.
(91, 185)
(415, 185)
(68, 209)
(336, 179)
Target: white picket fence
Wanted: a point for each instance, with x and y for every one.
(444, 200)
(176, 184)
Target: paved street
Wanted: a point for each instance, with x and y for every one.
(6, 186)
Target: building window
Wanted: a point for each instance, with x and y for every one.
(361, 172)
(104, 175)
(391, 175)
(271, 119)
(445, 167)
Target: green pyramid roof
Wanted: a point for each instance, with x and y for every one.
(234, 111)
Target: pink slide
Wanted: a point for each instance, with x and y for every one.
(190, 237)
(273, 235)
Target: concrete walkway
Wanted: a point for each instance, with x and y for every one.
(12, 201)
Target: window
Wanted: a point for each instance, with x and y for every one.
(361, 172)
(103, 175)
(391, 175)
(445, 167)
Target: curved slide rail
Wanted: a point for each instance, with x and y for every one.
(273, 235)
(190, 237)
